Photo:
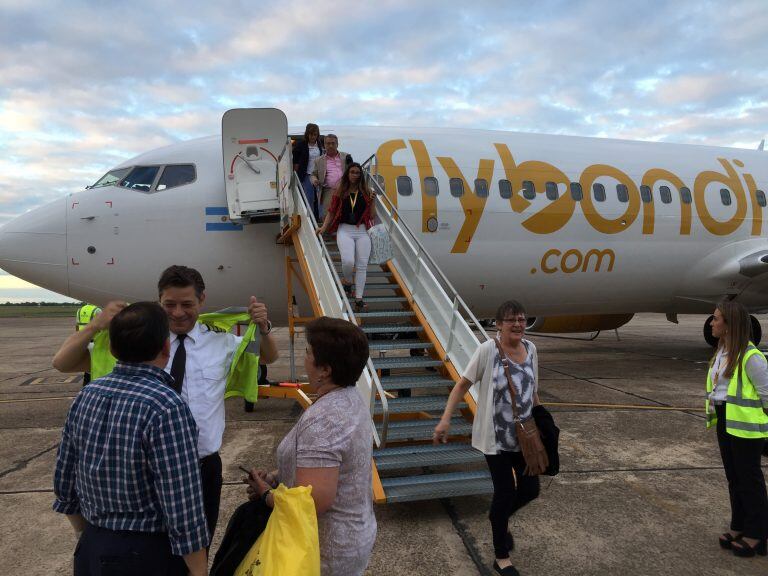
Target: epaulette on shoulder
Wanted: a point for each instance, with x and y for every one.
(212, 328)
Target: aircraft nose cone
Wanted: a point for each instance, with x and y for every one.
(33, 247)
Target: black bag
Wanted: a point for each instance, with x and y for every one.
(550, 435)
(245, 526)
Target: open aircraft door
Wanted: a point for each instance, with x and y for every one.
(257, 162)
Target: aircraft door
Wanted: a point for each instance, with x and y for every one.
(257, 162)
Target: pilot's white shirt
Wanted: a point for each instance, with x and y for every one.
(209, 355)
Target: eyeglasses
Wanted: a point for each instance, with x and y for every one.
(518, 320)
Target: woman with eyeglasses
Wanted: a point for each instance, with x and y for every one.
(352, 213)
(493, 429)
(737, 404)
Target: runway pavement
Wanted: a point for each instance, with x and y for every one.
(641, 491)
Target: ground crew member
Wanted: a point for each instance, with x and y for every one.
(201, 361)
(84, 315)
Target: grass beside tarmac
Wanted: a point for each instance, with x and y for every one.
(36, 311)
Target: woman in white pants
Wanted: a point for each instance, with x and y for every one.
(352, 213)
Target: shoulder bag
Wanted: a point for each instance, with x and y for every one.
(528, 436)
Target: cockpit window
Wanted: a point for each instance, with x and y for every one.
(176, 175)
(111, 178)
(140, 178)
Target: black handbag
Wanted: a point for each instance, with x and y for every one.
(245, 526)
(550, 435)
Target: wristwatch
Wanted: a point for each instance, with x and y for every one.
(269, 329)
(264, 496)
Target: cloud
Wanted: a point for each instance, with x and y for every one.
(86, 85)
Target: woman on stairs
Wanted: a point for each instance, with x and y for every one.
(352, 213)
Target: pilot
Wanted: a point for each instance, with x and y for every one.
(329, 169)
(200, 360)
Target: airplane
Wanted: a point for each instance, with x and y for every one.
(585, 232)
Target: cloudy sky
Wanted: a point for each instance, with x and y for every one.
(85, 85)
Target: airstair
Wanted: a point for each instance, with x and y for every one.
(421, 336)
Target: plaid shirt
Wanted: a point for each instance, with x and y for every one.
(128, 458)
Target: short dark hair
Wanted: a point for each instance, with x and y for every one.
(330, 136)
(181, 277)
(341, 346)
(509, 307)
(137, 333)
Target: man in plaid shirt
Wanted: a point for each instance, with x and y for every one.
(127, 471)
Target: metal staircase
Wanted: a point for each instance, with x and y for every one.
(420, 340)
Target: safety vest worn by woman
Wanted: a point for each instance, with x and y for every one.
(85, 314)
(242, 379)
(744, 415)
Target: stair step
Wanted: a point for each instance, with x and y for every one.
(378, 299)
(422, 429)
(416, 404)
(397, 344)
(431, 486)
(378, 272)
(390, 328)
(426, 455)
(405, 362)
(386, 314)
(415, 381)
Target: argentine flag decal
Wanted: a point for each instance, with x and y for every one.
(217, 220)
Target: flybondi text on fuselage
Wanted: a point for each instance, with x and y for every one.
(526, 179)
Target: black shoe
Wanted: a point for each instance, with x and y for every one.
(508, 571)
(745, 550)
(726, 539)
(510, 541)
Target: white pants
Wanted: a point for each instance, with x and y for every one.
(355, 247)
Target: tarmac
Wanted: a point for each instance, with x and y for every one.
(641, 489)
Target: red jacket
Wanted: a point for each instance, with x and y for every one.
(335, 210)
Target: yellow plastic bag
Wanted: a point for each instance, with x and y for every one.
(289, 544)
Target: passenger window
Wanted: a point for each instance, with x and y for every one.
(529, 190)
(552, 192)
(457, 187)
(178, 175)
(666, 194)
(645, 194)
(481, 188)
(685, 195)
(576, 191)
(725, 196)
(140, 178)
(431, 187)
(760, 198)
(111, 178)
(622, 192)
(505, 189)
(404, 185)
(598, 191)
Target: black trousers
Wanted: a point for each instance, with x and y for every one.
(102, 552)
(746, 483)
(210, 471)
(508, 497)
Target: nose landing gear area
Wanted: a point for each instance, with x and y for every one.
(757, 332)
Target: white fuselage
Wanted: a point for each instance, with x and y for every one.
(558, 256)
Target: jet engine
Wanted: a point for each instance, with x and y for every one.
(580, 323)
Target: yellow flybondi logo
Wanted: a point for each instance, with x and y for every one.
(556, 214)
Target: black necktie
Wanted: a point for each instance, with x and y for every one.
(179, 363)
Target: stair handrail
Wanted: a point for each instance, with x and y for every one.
(459, 305)
(380, 440)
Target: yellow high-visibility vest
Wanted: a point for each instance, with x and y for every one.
(243, 376)
(85, 314)
(744, 415)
